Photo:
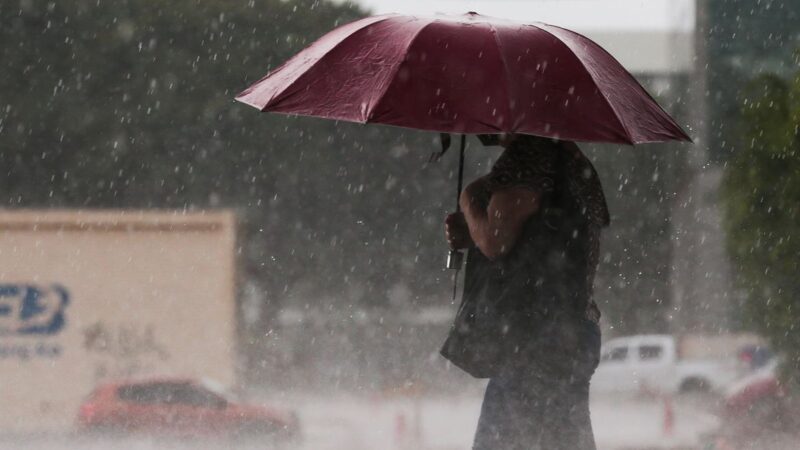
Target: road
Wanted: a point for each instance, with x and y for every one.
(427, 423)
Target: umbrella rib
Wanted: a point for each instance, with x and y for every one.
(281, 95)
(602, 94)
(666, 115)
(395, 69)
(493, 30)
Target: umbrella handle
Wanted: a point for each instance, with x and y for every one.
(454, 259)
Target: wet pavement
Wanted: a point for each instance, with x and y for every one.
(405, 423)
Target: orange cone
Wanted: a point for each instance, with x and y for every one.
(400, 430)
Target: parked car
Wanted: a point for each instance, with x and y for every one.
(756, 413)
(756, 400)
(652, 363)
(180, 407)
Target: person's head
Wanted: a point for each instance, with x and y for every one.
(506, 139)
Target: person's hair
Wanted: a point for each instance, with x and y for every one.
(489, 139)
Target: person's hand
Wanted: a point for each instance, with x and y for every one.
(456, 231)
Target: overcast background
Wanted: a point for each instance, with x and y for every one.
(580, 14)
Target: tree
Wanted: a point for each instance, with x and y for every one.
(761, 192)
(744, 38)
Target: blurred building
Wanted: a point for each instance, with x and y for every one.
(93, 297)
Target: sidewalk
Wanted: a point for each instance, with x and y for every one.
(675, 423)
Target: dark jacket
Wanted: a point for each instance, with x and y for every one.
(529, 308)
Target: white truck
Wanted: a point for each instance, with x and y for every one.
(653, 364)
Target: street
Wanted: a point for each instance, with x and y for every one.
(404, 423)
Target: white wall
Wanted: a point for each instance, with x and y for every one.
(120, 295)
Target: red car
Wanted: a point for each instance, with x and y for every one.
(757, 400)
(180, 407)
(754, 410)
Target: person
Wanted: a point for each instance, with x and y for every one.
(532, 229)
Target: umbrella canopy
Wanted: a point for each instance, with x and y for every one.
(466, 74)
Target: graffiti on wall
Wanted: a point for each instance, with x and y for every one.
(123, 349)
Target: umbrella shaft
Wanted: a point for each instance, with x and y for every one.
(460, 171)
(455, 258)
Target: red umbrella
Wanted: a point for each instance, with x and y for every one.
(466, 74)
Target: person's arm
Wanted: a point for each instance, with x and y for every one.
(495, 229)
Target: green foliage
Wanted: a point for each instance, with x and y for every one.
(744, 38)
(761, 191)
(98, 92)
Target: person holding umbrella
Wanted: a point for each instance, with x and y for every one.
(533, 227)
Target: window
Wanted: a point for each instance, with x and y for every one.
(196, 396)
(148, 392)
(650, 352)
(617, 354)
(180, 393)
